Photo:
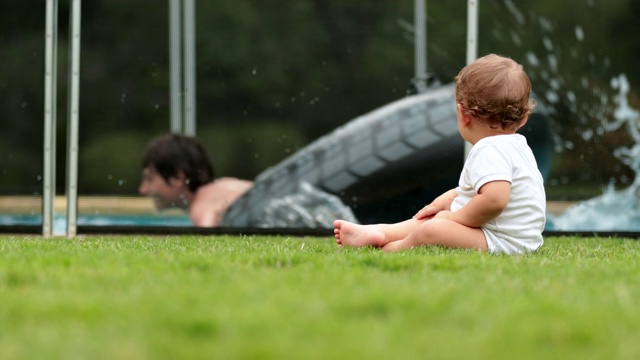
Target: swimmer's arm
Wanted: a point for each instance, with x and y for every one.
(202, 218)
(442, 202)
(491, 200)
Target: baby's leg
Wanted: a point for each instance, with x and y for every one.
(350, 234)
(441, 232)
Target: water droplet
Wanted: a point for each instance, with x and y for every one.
(579, 33)
(516, 39)
(553, 62)
(515, 12)
(545, 23)
(584, 82)
(552, 96)
(533, 59)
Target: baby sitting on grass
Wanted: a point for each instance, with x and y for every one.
(499, 203)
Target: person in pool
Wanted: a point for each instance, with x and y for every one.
(499, 203)
(177, 173)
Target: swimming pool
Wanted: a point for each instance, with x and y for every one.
(589, 222)
(60, 221)
(141, 224)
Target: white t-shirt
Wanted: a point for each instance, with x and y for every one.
(518, 229)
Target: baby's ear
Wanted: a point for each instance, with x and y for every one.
(463, 116)
(524, 121)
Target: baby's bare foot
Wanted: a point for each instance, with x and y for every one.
(351, 234)
(336, 231)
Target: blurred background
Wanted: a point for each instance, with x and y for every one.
(272, 76)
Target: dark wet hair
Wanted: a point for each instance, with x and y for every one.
(170, 153)
(495, 88)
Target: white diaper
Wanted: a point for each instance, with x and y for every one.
(500, 245)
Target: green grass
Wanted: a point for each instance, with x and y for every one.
(224, 297)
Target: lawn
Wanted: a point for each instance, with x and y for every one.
(227, 297)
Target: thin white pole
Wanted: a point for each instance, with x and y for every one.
(472, 30)
(420, 32)
(50, 91)
(73, 122)
(175, 66)
(472, 44)
(189, 24)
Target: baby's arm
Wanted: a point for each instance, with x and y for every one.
(442, 202)
(491, 200)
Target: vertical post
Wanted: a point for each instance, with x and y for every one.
(175, 66)
(419, 31)
(189, 68)
(472, 44)
(72, 125)
(472, 30)
(50, 91)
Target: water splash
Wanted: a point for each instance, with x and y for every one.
(613, 210)
(589, 101)
(629, 117)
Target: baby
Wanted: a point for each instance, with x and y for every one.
(499, 203)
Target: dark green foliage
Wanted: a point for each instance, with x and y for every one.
(302, 68)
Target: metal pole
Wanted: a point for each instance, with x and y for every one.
(472, 44)
(72, 125)
(420, 46)
(50, 82)
(175, 66)
(189, 68)
(472, 30)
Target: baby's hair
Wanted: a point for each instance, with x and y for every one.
(495, 88)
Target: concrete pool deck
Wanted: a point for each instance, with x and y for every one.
(92, 204)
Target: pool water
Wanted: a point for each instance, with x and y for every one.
(612, 211)
(60, 221)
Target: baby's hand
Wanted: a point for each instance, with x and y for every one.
(428, 211)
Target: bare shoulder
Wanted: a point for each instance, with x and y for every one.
(234, 182)
(223, 190)
(213, 199)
